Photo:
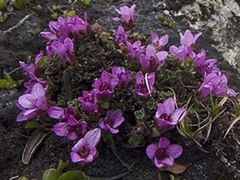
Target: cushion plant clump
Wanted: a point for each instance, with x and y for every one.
(140, 90)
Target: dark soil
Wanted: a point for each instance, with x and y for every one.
(219, 159)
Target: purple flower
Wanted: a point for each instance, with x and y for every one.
(181, 52)
(54, 31)
(72, 129)
(111, 121)
(123, 76)
(89, 102)
(205, 66)
(64, 50)
(58, 30)
(85, 150)
(144, 85)
(66, 27)
(50, 36)
(32, 103)
(167, 115)
(28, 86)
(77, 26)
(120, 35)
(152, 60)
(163, 154)
(215, 84)
(188, 39)
(61, 113)
(56, 112)
(135, 50)
(105, 85)
(157, 42)
(127, 15)
(31, 68)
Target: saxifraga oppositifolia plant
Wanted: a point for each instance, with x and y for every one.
(143, 97)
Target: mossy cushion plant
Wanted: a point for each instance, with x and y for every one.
(150, 90)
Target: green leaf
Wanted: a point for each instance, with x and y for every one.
(56, 7)
(43, 61)
(161, 17)
(54, 15)
(72, 13)
(86, 2)
(33, 125)
(35, 31)
(186, 130)
(38, 8)
(166, 94)
(73, 175)
(62, 165)
(105, 105)
(18, 4)
(172, 24)
(171, 177)
(151, 104)
(106, 38)
(4, 84)
(2, 5)
(51, 174)
(1, 18)
(74, 103)
(136, 140)
(7, 83)
(140, 114)
(155, 132)
(69, 13)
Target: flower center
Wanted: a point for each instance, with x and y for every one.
(165, 117)
(77, 129)
(142, 87)
(84, 151)
(109, 121)
(104, 86)
(153, 61)
(90, 99)
(160, 154)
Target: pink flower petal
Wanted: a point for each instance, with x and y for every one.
(174, 150)
(72, 135)
(178, 115)
(163, 143)
(21, 117)
(92, 137)
(55, 112)
(29, 112)
(169, 105)
(158, 163)
(163, 40)
(38, 91)
(75, 157)
(168, 161)
(150, 51)
(79, 145)
(151, 150)
(60, 129)
(25, 101)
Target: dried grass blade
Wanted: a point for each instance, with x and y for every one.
(32, 145)
(231, 126)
